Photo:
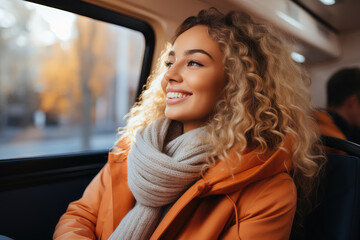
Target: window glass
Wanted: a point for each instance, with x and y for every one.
(66, 81)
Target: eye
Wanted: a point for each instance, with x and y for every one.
(168, 64)
(193, 63)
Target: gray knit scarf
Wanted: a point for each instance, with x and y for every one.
(158, 173)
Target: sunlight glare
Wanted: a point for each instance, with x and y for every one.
(61, 23)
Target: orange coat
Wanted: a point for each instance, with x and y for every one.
(257, 202)
(327, 126)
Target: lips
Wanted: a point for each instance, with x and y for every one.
(174, 96)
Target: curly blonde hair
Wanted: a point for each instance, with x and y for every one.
(265, 99)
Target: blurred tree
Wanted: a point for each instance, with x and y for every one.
(87, 64)
(14, 16)
(76, 73)
(74, 78)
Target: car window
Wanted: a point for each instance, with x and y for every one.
(66, 81)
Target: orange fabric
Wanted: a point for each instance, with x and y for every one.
(260, 193)
(327, 127)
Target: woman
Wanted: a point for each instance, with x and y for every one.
(208, 150)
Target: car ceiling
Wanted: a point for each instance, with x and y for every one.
(342, 17)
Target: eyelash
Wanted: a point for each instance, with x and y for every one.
(191, 63)
(168, 64)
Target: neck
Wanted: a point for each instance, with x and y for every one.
(188, 126)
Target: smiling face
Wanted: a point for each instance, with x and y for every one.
(195, 78)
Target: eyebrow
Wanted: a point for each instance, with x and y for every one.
(193, 51)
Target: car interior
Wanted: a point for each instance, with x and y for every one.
(36, 190)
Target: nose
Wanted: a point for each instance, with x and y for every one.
(173, 74)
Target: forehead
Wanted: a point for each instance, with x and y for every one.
(196, 38)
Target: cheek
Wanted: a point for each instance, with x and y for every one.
(207, 92)
(209, 81)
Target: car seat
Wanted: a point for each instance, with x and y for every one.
(337, 214)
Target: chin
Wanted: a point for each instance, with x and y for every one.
(172, 115)
(173, 118)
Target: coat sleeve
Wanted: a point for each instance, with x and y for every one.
(267, 212)
(79, 221)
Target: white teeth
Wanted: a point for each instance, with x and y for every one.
(176, 95)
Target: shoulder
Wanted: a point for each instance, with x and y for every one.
(266, 209)
(269, 195)
(322, 116)
(327, 125)
(279, 183)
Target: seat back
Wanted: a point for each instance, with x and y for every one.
(337, 214)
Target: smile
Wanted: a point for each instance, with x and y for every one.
(173, 95)
(176, 97)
